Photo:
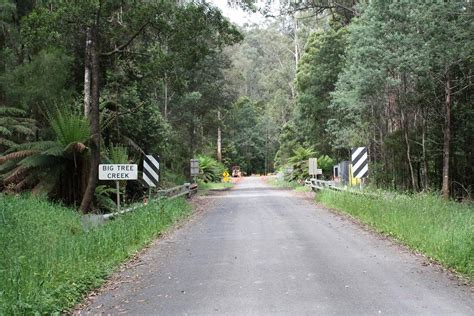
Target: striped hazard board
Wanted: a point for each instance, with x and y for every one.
(151, 170)
(360, 162)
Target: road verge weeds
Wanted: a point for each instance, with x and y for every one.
(442, 230)
(49, 260)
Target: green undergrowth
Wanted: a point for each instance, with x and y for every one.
(442, 230)
(49, 260)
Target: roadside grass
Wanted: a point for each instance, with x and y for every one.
(49, 260)
(302, 188)
(280, 183)
(205, 186)
(442, 230)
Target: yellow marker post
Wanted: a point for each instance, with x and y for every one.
(353, 180)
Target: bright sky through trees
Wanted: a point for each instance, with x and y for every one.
(237, 15)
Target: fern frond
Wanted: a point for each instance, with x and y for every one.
(6, 142)
(17, 155)
(9, 111)
(22, 129)
(38, 146)
(16, 175)
(7, 166)
(27, 182)
(39, 161)
(117, 154)
(57, 150)
(70, 128)
(5, 131)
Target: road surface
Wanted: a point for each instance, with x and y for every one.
(259, 250)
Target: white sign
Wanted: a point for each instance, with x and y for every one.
(118, 172)
(313, 166)
(194, 167)
(319, 171)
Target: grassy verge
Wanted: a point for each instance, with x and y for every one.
(48, 260)
(287, 185)
(214, 185)
(442, 230)
(282, 183)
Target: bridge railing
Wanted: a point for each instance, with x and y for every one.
(316, 184)
(186, 189)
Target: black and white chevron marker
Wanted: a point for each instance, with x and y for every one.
(360, 162)
(151, 169)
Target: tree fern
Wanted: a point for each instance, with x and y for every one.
(299, 162)
(69, 128)
(41, 165)
(117, 154)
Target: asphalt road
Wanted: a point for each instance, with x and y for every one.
(259, 250)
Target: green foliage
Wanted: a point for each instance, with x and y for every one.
(210, 169)
(14, 126)
(248, 134)
(117, 154)
(440, 229)
(44, 165)
(38, 85)
(69, 129)
(161, 81)
(299, 163)
(398, 60)
(49, 260)
(289, 140)
(103, 198)
(317, 74)
(326, 163)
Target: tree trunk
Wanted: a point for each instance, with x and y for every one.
(165, 91)
(95, 126)
(407, 143)
(297, 50)
(447, 136)
(219, 138)
(425, 160)
(87, 74)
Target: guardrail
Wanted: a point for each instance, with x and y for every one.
(186, 189)
(316, 184)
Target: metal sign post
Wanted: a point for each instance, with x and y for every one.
(117, 173)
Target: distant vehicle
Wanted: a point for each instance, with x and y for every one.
(236, 171)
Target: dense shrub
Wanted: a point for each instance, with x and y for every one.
(210, 169)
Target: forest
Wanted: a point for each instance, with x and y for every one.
(107, 81)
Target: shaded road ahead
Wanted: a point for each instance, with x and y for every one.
(260, 250)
